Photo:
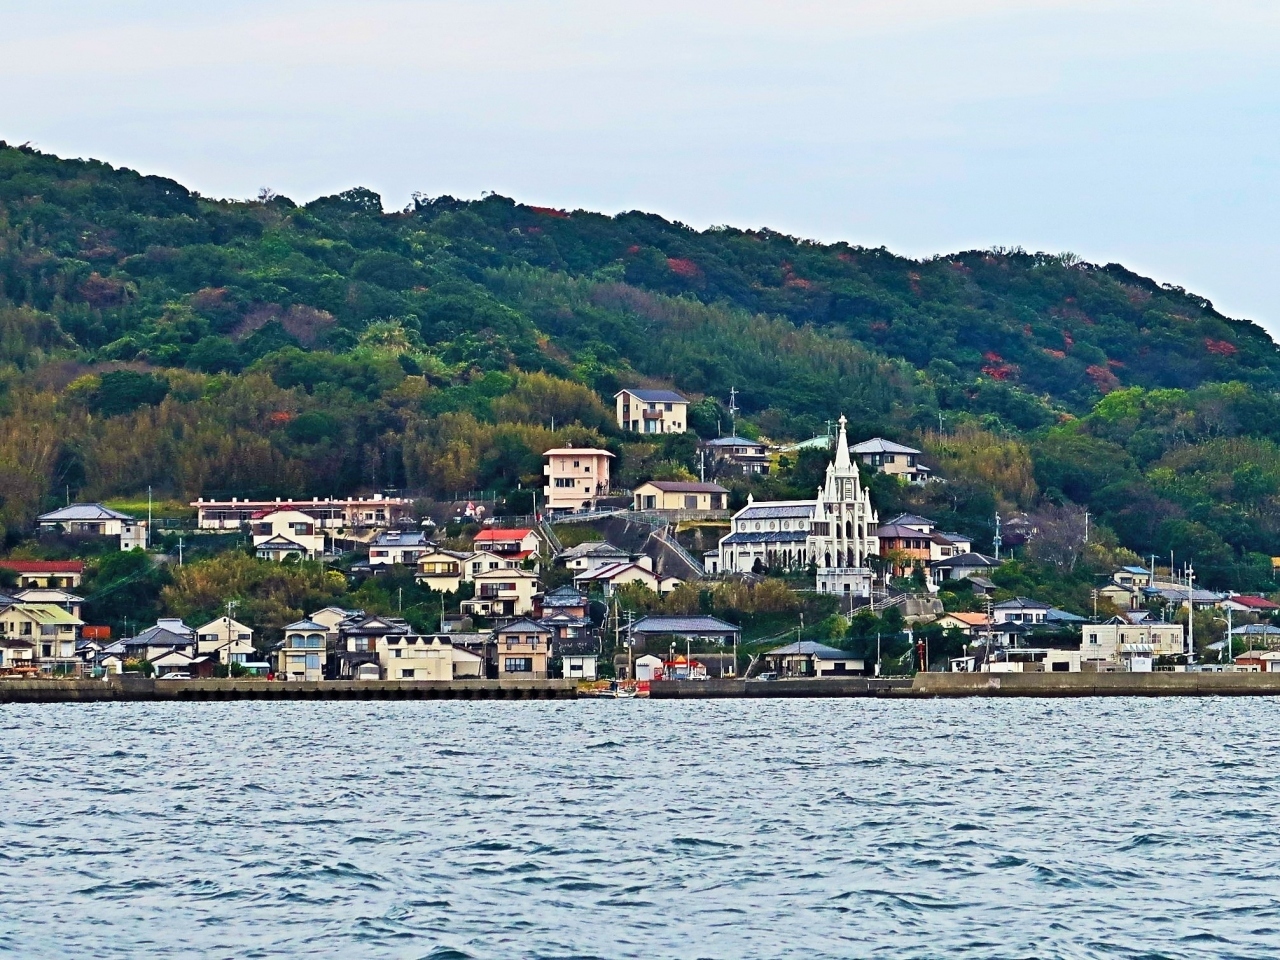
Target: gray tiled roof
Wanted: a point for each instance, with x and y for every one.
(819, 650)
(655, 396)
(683, 625)
(777, 510)
(83, 511)
(881, 445)
(767, 536)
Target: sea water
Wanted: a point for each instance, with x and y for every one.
(720, 829)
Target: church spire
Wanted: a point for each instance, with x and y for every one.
(843, 463)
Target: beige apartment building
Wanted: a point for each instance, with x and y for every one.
(576, 478)
(1118, 641)
(652, 411)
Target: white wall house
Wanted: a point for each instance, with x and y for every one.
(285, 533)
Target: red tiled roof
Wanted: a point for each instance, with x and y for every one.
(503, 535)
(1257, 603)
(43, 566)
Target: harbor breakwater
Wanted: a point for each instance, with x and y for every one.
(928, 685)
(925, 685)
(146, 689)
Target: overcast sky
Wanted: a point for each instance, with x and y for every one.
(1140, 132)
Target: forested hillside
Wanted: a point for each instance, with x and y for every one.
(150, 336)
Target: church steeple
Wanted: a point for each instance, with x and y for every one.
(843, 463)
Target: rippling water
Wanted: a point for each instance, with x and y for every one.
(833, 828)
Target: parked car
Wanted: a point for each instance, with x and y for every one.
(176, 675)
(767, 675)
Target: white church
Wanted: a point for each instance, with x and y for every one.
(835, 532)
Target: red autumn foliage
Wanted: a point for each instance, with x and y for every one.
(998, 371)
(879, 326)
(683, 268)
(1060, 354)
(279, 417)
(1221, 348)
(551, 212)
(992, 357)
(1068, 340)
(633, 249)
(99, 291)
(1103, 378)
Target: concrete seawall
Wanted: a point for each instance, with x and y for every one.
(928, 685)
(143, 689)
(724, 689)
(1096, 685)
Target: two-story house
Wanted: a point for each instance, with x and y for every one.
(517, 543)
(1020, 610)
(893, 459)
(502, 593)
(94, 519)
(652, 411)
(48, 628)
(592, 555)
(576, 478)
(738, 456)
(433, 657)
(398, 546)
(225, 639)
(441, 569)
(168, 634)
(287, 533)
(524, 647)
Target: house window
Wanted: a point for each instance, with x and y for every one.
(517, 665)
(406, 674)
(313, 661)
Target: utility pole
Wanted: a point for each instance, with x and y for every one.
(180, 551)
(1086, 526)
(147, 538)
(1191, 614)
(939, 423)
(733, 411)
(231, 606)
(995, 541)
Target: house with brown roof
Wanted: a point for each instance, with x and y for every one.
(681, 497)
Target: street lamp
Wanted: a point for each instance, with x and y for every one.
(1230, 652)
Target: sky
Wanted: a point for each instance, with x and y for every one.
(1132, 131)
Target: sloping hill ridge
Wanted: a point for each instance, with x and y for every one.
(136, 267)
